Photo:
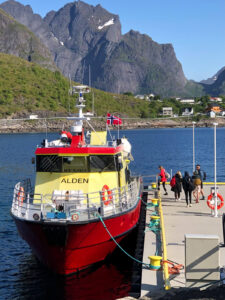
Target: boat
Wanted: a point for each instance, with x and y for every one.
(84, 200)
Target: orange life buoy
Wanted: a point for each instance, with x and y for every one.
(21, 196)
(75, 217)
(211, 205)
(109, 192)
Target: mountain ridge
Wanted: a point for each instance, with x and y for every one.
(80, 35)
(87, 44)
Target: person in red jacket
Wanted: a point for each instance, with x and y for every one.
(162, 179)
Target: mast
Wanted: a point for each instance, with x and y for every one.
(77, 127)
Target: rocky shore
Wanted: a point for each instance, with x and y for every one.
(56, 125)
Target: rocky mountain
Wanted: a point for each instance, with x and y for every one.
(17, 40)
(218, 87)
(86, 41)
(212, 79)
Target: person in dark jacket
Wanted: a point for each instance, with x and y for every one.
(178, 186)
(188, 187)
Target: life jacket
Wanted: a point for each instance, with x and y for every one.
(173, 181)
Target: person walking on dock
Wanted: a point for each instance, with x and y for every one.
(178, 186)
(162, 178)
(197, 182)
(188, 187)
(200, 173)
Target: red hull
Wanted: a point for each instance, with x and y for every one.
(67, 248)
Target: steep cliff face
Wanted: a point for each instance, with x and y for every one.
(138, 64)
(17, 40)
(218, 87)
(82, 37)
(212, 79)
(81, 28)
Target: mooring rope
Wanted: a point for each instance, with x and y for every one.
(133, 258)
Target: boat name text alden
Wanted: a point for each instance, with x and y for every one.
(74, 180)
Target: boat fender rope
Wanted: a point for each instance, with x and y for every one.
(175, 267)
(136, 260)
(211, 204)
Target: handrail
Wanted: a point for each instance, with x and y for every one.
(164, 249)
(123, 199)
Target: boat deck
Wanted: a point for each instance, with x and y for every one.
(179, 220)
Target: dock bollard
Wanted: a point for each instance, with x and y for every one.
(155, 262)
(155, 220)
(155, 201)
(154, 185)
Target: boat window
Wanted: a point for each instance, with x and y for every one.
(100, 163)
(75, 164)
(48, 163)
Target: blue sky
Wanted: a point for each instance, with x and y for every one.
(195, 28)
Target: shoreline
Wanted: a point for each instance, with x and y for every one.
(35, 126)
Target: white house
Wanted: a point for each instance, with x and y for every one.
(212, 114)
(215, 99)
(167, 111)
(142, 97)
(151, 95)
(187, 111)
(187, 101)
(33, 117)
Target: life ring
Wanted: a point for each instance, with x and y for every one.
(109, 192)
(75, 217)
(21, 196)
(210, 205)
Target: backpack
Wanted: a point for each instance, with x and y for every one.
(204, 175)
(190, 184)
(173, 181)
(167, 175)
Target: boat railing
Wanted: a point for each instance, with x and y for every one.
(75, 206)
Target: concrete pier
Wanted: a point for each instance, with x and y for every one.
(179, 220)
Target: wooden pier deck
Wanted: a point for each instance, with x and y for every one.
(179, 220)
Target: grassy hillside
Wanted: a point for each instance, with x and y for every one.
(26, 87)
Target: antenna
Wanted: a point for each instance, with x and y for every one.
(92, 93)
(70, 93)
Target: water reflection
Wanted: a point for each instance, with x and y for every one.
(105, 280)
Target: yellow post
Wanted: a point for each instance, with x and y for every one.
(164, 249)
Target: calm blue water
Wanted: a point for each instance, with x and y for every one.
(22, 276)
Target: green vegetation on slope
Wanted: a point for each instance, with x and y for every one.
(27, 87)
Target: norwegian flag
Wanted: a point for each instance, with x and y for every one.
(113, 120)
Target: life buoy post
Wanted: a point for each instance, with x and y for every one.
(211, 201)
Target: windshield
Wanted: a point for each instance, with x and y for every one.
(76, 164)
